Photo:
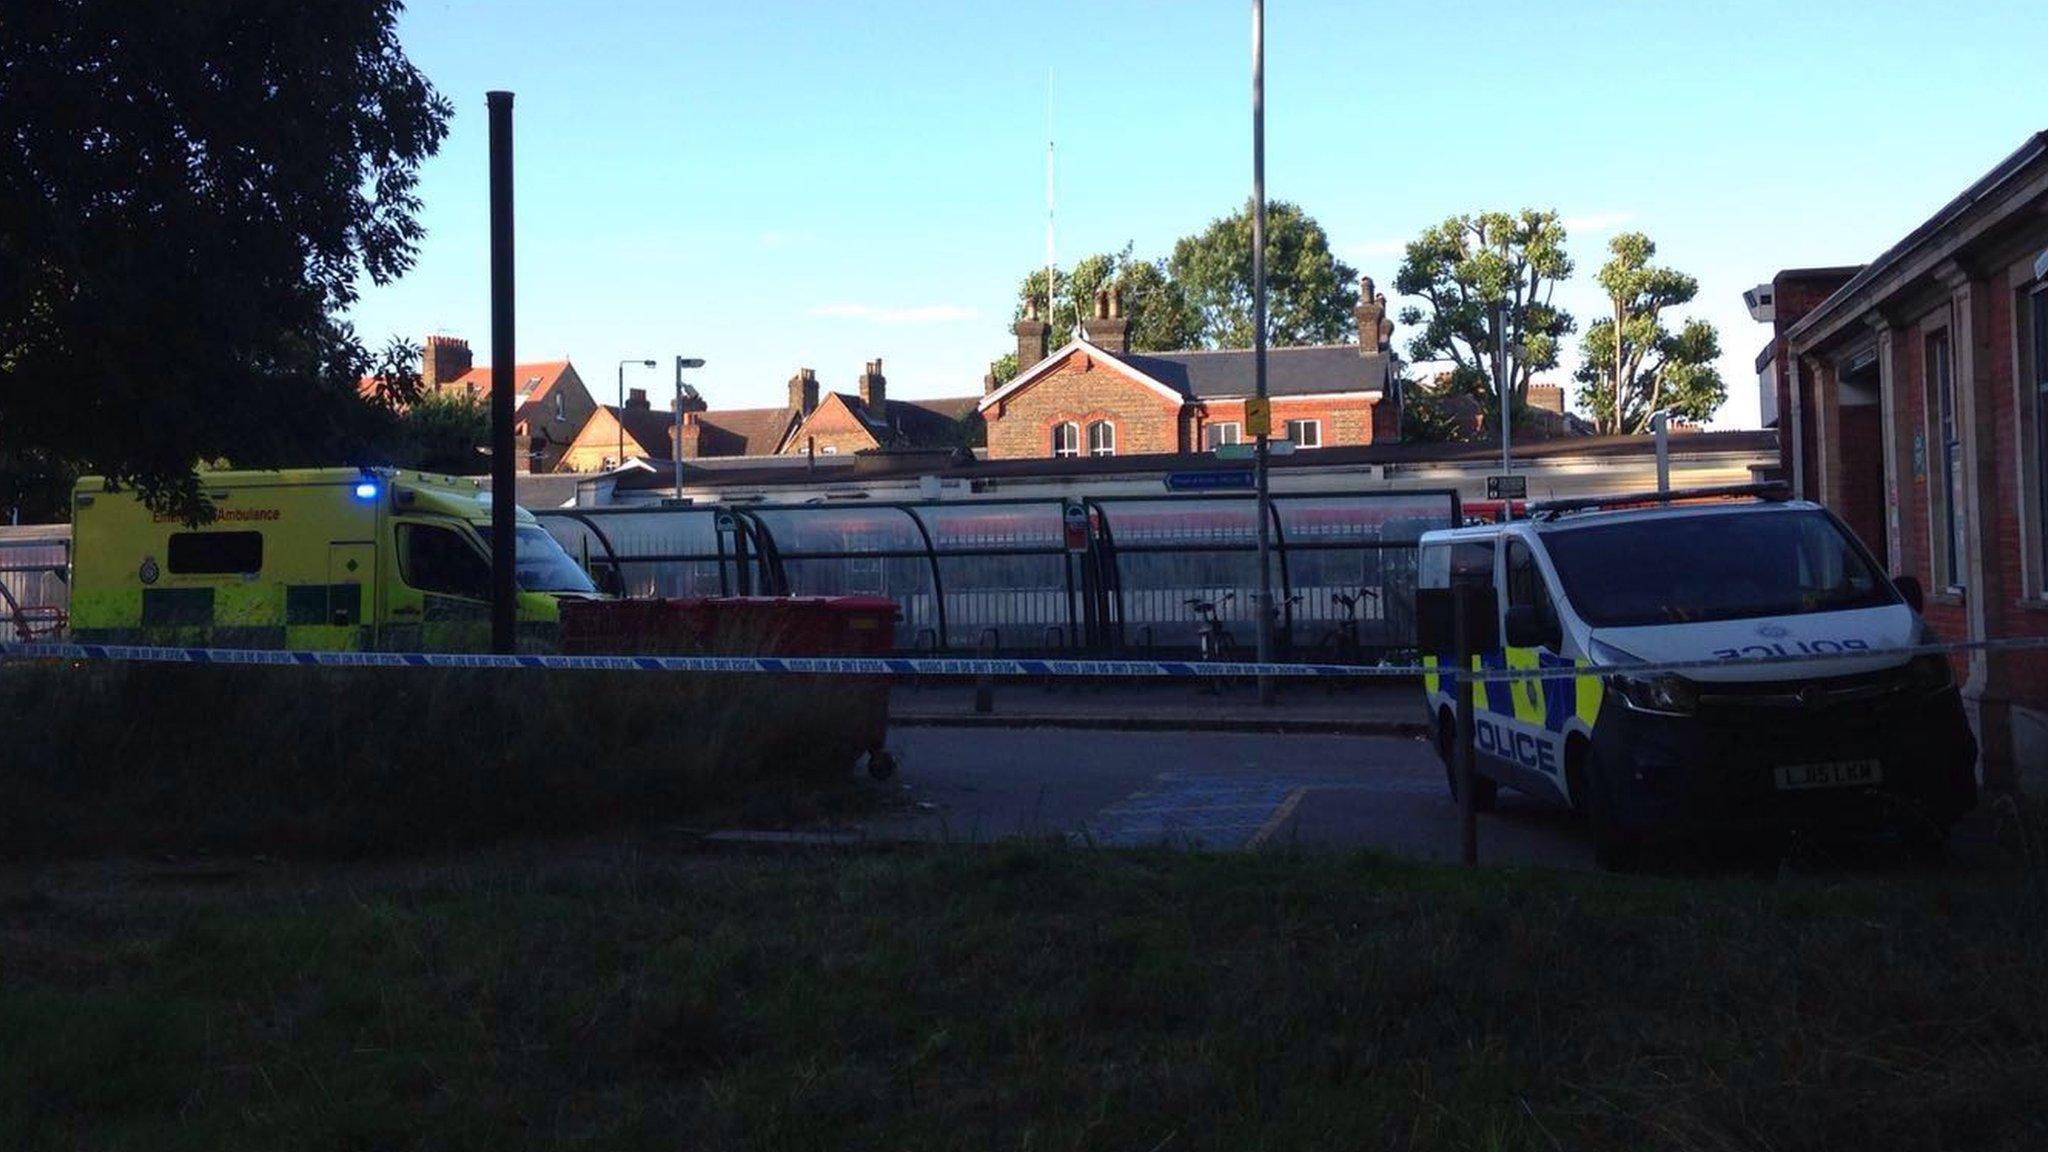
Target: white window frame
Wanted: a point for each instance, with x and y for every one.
(1066, 440)
(561, 406)
(1107, 444)
(1314, 427)
(1214, 437)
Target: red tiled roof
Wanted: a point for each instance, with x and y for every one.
(535, 380)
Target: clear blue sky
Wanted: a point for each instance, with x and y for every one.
(771, 185)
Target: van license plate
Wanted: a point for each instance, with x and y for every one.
(1835, 774)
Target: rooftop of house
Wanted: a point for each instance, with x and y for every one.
(743, 431)
(966, 464)
(1294, 371)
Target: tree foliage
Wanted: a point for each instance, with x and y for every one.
(1460, 269)
(1310, 293)
(440, 432)
(1657, 368)
(1161, 318)
(191, 195)
(1201, 296)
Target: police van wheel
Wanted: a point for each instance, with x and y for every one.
(1613, 849)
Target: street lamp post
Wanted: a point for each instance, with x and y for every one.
(620, 459)
(676, 452)
(1261, 435)
(1502, 381)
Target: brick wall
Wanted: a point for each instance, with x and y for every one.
(1021, 426)
(2021, 610)
(1862, 504)
(1147, 422)
(835, 429)
(1344, 422)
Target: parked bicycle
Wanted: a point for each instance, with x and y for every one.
(1215, 640)
(1340, 643)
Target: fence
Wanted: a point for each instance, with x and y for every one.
(35, 570)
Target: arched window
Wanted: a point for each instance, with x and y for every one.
(1102, 438)
(1066, 439)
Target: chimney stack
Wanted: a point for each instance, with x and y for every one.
(1109, 329)
(803, 391)
(988, 382)
(1375, 330)
(874, 389)
(636, 400)
(1031, 338)
(444, 360)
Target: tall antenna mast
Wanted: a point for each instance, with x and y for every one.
(1048, 200)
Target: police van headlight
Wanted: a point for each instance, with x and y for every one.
(1662, 693)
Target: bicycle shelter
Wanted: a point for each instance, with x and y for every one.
(1005, 575)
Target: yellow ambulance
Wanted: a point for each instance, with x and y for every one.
(324, 558)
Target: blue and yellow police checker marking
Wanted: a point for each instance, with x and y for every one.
(1523, 715)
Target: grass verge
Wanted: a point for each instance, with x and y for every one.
(1019, 997)
(343, 761)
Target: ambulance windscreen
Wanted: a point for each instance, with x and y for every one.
(541, 564)
(1713, 566)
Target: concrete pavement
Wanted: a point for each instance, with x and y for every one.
(1378, 708)
(1220, 790)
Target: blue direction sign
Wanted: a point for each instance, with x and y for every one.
(1212, 480)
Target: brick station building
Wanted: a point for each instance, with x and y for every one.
(1910, 395)
(1095, 397)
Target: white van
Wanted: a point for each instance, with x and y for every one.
(1591, 587)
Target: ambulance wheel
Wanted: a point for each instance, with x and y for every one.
(1484, 790)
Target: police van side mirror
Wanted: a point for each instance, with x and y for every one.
(1911, 592)
(1525, 630)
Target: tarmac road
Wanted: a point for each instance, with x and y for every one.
(1218, 790)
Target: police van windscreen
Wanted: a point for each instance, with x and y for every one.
(1714, 566)
(541, 564)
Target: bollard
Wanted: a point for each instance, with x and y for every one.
(985, 685)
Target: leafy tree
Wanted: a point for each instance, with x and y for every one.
(191, 194)
(441, 432)
(1309, 292)
(1464, 266)
(1652, 367)
(1161, 318)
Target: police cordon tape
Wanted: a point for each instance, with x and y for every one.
(892, 666)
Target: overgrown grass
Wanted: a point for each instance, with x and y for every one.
(343, 761)
(1021, 997)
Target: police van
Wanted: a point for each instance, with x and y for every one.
(319, 558)
(1840, 743)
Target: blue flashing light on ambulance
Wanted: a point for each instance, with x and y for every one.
(1840, 744)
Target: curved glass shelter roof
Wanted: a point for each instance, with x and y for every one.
(1004, 575)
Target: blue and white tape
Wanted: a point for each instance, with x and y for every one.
(900, 667)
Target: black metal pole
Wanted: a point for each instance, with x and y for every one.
(1461, 644)
(1262, 435)
(504, 591)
